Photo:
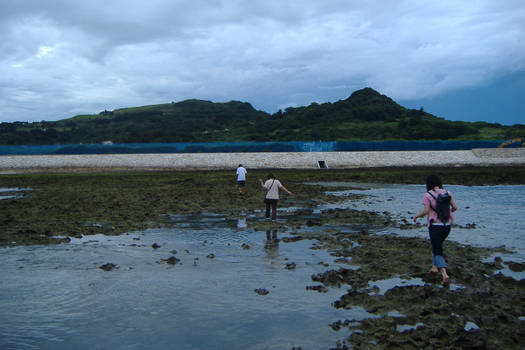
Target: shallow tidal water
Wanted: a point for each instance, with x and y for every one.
(57, 297)
(6, 193)
(487, 216)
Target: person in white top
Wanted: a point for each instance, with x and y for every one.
(241, 178)
(272, 187)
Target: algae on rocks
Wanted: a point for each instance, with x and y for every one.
(482, 309)
(55, 206)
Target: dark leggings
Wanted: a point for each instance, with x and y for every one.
(273, 204)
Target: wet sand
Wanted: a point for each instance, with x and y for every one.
(482, 309)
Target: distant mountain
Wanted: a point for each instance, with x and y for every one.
(365, 115)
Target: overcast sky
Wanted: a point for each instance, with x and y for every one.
(460, 60)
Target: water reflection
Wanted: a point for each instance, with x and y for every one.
(241, 223)
(271, 246)
(57, 296)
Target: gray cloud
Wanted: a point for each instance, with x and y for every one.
(61, 58)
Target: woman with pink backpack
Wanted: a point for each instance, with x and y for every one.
(438, 206)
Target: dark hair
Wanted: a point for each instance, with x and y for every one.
(433, 180)
(271, 176)
(240, 165)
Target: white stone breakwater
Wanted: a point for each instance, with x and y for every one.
(262, 160)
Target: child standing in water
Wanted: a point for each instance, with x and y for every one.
(437, 230)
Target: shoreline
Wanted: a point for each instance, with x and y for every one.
(262, 160)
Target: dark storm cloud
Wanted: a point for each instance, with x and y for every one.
(60, 58)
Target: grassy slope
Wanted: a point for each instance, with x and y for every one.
(365, 115)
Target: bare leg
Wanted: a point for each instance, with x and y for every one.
(446, 278)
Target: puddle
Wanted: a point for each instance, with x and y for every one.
(395, 314)
(471, 326)
(382, 286)
(507, 261)
(406, 328)
(7, 193)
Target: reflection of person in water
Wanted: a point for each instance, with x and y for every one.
(241, 223)
(271, 246)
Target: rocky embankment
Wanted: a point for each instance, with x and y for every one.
(263, 160)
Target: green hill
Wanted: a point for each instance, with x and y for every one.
(365, 115)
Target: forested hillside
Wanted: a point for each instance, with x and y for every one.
(365, 115)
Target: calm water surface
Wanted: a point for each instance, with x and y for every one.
(56, 297)
(6, 193)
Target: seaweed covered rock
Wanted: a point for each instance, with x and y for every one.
(108, 267)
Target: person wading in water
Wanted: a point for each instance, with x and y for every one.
(272, 187)
(438, 206)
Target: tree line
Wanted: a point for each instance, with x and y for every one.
(365, 115)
